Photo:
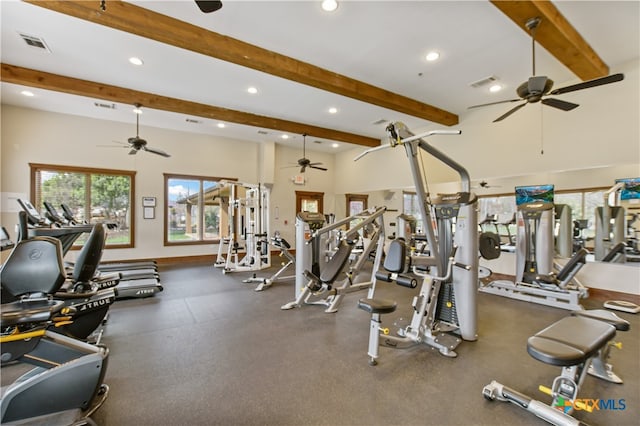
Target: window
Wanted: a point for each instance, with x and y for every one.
(307, 201)
(93, 195)
(582, 202)
(411, 207)
(195, 209)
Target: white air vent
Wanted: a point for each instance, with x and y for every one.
(35, 42)
(192, 121)
(263, 132)
(381, 121)
(103, 105)
(483, 82)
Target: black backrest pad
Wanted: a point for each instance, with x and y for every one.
(579, 257)
(35, 265)
(397, 253)
(618, 248)
(90, 255)
(489, 245)
(336, 263)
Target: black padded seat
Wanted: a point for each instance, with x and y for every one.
(331, 270)
(29, 311)
(377, 306)
(570, 341)
(606, 316)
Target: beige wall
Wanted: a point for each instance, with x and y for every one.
(587, 147)
(31, 136)
(603, 132)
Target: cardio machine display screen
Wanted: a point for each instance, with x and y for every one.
(631, 190)
(530, 194)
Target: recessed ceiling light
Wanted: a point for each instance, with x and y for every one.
(136, 61)
(335, 145)
(333, 110)
(27, 93)
(432, 56)
(329, 5)
(495, 88)
(252, 90)
(285, 136)
(221, 125)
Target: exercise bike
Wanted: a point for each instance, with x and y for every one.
(66, 384)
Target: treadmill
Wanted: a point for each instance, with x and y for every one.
(142, 283)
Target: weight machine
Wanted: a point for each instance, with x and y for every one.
(284, 246)
(248, 223)
(317, 270)
(610, 218)
(536, 280)
(445, 310)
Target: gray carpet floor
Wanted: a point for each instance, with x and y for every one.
(209, 350)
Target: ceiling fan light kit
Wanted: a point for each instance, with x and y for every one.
(536, 88)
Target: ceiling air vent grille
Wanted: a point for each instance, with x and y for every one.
(103, 105)
(263, 132)
(35, 42)
(483, 82)
(381, 121)
(192, 121)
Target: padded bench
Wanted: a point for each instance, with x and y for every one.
(570, 341)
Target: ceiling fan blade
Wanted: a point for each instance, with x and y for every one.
(133, 151)
(557, 103)
(494, 103)
(536, 84)
(319, 168)
(590, 83)
(508, 113)
(207, 6)
(156, 151)
(302, 169)
(315, 164)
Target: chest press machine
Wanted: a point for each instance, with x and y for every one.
(445, 311)
(319, 284)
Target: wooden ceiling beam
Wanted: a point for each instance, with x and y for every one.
(556, 35)
(146, 23)
(58, 83)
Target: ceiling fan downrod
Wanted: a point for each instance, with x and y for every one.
(532, 25)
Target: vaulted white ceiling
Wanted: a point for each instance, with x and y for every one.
(382, 43)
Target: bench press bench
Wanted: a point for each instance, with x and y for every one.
(580, 344)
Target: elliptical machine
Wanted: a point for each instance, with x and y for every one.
(445, 311)
(66, 384)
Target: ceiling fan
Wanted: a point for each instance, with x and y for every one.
(538, 87)
(136, 143)
(208, 6)
(483, 184)
(304, 162)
